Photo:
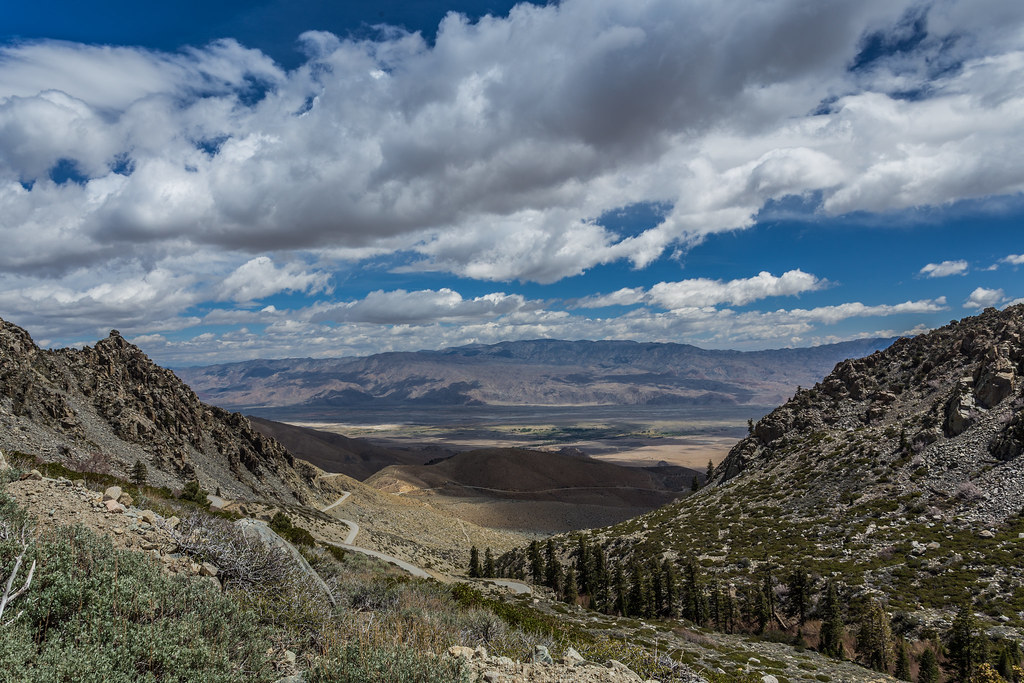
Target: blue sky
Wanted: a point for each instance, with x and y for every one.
(231, 180)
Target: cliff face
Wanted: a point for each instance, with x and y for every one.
(950, 402)
(110, 404)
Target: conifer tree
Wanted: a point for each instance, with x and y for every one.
(874, 639)
(537, 570)
(798, 598)
(695, 483)
(963, 643)
(571, 589)
(601, 580)
(637, 603)
(474, 563)
(1009, 656)
(553, 568)
(140, 476)
(711, 471)
(902, 661)
(488, 564)
(716, 612)
(620, 590)
(928, 663)
(832, 623)
(584, 566)
(668, 573)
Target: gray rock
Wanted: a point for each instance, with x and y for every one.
(492, 676)
(768, 678)
(207, 569)
(34, 475)
(541, 655)
(3, 463)
(572, 657)
(112, 493)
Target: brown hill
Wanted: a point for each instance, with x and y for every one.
(331, 452)
(108, 405)
(535, 490)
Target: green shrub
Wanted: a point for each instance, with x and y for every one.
(352, 663)
(114, 615)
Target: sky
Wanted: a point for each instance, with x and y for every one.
(223, 181)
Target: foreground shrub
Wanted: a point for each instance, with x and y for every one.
(395, 664)
(112, 615)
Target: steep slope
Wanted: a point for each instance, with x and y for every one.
(540, 372)
(331, 452)
(899, 474)
(109, 405)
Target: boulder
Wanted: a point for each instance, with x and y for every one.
(3, 463)
(125, 499)
(768, 678)
(460, 651)
(541, 655)
(33, 475)
(207, 569)
(572, 657)
(113, 506)
(960, 409)
(112, 493)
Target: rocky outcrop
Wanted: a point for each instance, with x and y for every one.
(111, 405)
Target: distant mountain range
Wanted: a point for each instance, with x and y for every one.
(526, 373)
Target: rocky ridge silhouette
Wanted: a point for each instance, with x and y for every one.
(108, 405)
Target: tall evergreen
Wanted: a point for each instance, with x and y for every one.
(928, 667)
(584, 566)
(832, 623)
(798, 598)
(552, 568)
(902, 661)
(695, 483)
(693, 602)
(474, 563)
(601, 580)
(571, 591)
(638, 602)
(874, 639)
(536, 562)
(711, 471)
(964, 643)
(715, 611)
(620, 590)
(488, 564)
(668, 574)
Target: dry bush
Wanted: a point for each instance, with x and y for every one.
(243, 562)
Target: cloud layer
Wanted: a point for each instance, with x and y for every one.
(146, 189)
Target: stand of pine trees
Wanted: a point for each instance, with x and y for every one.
(659, 586)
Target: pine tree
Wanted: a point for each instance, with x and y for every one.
(474, 563)
(928, 671)
(537, 571)
(668, 573)
(620, 590)
(552, 569)
(638, 601)
(695, 484)
(657, 588)
(832, 623)
(963, 643)
(798, 599)
(140, 476)
(1009, 656)
(902, 661)
(874, 639)
(571, 589)
(584, 566)
(711, 471)
(488, 564)
(716, 613)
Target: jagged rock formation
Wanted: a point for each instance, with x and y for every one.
(109, 405)
(951, 401)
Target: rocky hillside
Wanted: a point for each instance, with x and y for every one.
(541, 372)
(899, 475)
(104, 407)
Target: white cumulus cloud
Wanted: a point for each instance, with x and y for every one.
(945, 269)
(983, 298)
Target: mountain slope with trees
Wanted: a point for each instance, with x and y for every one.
(876, 515)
